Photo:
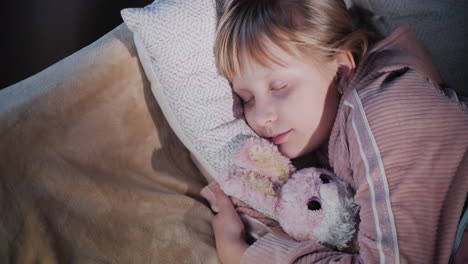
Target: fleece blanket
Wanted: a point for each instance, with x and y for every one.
(90, 171)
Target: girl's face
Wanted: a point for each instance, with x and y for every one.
(294, 104)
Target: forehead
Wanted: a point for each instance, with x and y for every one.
(261, 66)
(278, 63)
(269, 53)
(253, 73)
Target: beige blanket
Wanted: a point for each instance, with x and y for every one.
(90, 171)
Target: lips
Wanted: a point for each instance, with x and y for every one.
(280, 138)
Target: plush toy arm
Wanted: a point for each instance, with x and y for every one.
(240, 186)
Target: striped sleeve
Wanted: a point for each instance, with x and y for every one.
(279, 248)
(408, 147)
(412, 143)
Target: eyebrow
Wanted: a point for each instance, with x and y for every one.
(268, 76)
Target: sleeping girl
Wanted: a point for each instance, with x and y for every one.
(311, 82)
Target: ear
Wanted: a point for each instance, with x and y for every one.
(344, 58)
(344, 65)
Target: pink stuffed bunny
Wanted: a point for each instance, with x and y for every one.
(309, 204)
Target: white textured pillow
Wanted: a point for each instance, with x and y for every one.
(174, 40)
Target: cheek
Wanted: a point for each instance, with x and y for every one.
(304, 113)
(249, 118)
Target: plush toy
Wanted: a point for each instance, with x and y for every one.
(309, 204)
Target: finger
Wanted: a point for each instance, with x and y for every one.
(223, 201)
(210, 196)
(228, 221)
(238, 203)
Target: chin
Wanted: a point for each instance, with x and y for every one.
(290, 153)
(293, 152)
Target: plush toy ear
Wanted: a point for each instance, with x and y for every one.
(258, 172)
(263, 157)
(255, 190)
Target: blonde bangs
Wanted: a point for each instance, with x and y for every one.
(315, 29)
(243, 40)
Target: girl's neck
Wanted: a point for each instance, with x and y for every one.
(316, 158)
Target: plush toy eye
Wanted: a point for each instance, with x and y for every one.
(325, 178)
(314, 205)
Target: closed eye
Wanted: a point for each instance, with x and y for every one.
(249, 101)
(245, 97)
(281, 91)
(279, 87)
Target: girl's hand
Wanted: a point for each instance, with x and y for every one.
(228, 228)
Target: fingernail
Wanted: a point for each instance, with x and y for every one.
(203, 193)
(209, 195)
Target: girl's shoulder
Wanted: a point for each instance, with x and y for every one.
(396, 77)
(396, 92)
(388, 60)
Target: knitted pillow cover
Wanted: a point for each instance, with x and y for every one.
(174, 40)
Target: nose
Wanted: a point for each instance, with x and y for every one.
(265, 113)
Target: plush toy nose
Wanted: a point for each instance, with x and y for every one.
(314, 205)
(325, 178)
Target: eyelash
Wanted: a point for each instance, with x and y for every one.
(280, 88)
(249, 101)
(246, 102)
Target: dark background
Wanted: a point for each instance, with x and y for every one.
(38, 33)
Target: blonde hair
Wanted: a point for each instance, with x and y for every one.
(317, 28)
